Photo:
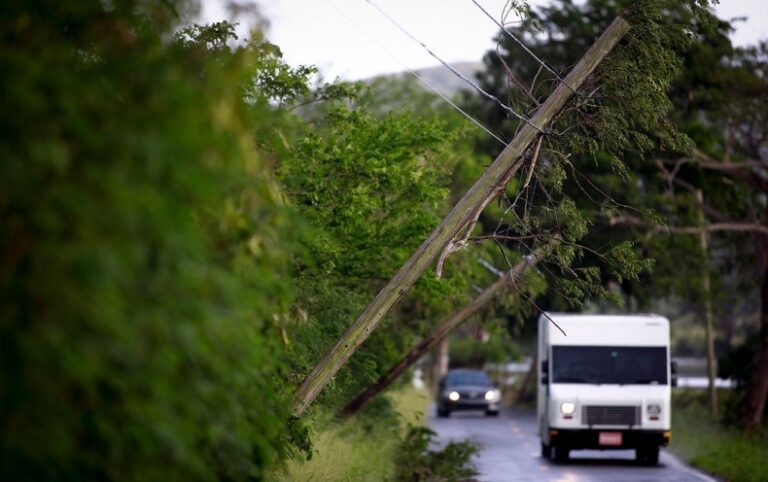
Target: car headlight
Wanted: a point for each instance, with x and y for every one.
(491, 395)
(567, 408)
(453, 396)
(654, 409)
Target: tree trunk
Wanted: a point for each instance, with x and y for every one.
(438, 335)
(708, 316)
(440, 366)
(526, 388)
(753, 403)
(493, 179)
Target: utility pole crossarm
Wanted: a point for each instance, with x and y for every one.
(503, 168)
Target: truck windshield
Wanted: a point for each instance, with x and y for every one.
(622, 365)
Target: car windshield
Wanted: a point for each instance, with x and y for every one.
(609, 364)
(467, 378)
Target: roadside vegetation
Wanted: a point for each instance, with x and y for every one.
(364, 448)
(719, 449)
(383, 445)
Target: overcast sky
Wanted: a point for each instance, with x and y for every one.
(344, 38)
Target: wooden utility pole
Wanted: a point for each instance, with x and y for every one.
(708, 317)
(474, 200)
(510, 278)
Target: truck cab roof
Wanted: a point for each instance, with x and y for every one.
(606, 330)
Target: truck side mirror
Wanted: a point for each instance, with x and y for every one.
(673, 371)
(545, 372)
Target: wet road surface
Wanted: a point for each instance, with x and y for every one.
(510, 452)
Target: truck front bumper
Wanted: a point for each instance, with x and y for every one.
(590, 438)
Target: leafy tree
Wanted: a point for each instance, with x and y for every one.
(596, 145)
(715, 100)
(144, 247)
(726, 112)
(372, 186)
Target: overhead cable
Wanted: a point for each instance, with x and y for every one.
(525, 47)
(455, 72)
(417, 76)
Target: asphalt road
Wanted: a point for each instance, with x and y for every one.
(510, 452)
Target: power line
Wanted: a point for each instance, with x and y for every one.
(455, 72)
(521, 44)
(417, 76)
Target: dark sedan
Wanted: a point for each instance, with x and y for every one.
(467, 390)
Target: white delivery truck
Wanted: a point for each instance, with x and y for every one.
(604, 384)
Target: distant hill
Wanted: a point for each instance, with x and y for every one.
(446, 81)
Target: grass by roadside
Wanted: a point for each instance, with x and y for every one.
(706, 443)
(358, 450)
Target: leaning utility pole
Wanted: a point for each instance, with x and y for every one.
(510, 278)
(460, 218)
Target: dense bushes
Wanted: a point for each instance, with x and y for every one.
(141, 265)
(707, 443)
(417, 462)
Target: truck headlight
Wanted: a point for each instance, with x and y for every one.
(453, 396)
(491, 395)
(567, 408)
(654, 409)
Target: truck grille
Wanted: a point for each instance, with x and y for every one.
(600, 415)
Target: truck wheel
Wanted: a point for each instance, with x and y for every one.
(561, 454)
(546, 451)
(648, 455)
(491, 413)
(443, 412)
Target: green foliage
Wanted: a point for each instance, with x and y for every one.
(349, 453)
(589, 160)
(737, 364)
(468, 351)
(372, 186)
(210, 39)
(711, 446)
(144, 249)
(635, 83)
(372, 183)
(364, 448)
(418, 463)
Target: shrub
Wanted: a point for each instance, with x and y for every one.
(140, 269)
(416, 462)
